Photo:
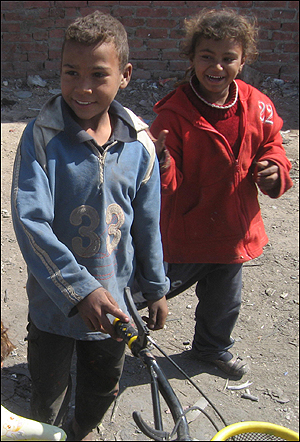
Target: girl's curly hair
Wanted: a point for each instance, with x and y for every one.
(218, 25)
(99, 28)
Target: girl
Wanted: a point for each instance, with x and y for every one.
(222, 140)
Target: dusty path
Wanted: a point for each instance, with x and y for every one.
(266, 332)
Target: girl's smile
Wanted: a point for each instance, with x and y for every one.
(216, 64)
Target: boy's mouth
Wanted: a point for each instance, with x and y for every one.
(84, 103)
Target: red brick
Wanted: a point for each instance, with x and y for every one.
(142, 3)
(291, 47)
(271, 5)
(161, 23)
(16, 37)
(41, 35)
(144, 55)
(52, 65)
(71, 4)
(132, 22)
(179, 65)
(153, 33)
(282, 36)
(34, 5)
(141, 73)
(155, 12)
(54, 55)
(10, 27)
(162, 44)
(284, 14)
(7, 6)
(56, 33)
(291, 27)
(37, 56)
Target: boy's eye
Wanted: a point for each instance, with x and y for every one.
(72, 73)
(99, 74)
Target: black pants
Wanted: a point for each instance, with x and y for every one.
(99, 368)
(219, 293)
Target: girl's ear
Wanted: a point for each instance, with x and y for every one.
(126, 76)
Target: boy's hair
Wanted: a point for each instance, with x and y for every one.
(6, 346)
(218, 25)
(99, 28)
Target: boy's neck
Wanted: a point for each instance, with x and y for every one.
(100, 129)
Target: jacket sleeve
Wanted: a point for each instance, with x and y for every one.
(49, 260)
(150, 273)
(271, 147)
(171, 176)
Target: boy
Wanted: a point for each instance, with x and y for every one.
(85, 205)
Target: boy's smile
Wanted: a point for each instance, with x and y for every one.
(90, 79)
(216, 64)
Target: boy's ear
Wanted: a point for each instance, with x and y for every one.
(126, 76)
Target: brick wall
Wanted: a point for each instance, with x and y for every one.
(32, 33)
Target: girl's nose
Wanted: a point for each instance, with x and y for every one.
(219, 66)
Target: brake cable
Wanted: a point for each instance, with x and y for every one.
(189, 379)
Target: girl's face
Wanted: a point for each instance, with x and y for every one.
(216, 64)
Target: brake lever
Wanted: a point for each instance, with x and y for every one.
(143, 331)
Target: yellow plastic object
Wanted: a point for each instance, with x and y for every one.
(14, 427)
(256, 427)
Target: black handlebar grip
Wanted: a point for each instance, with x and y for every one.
(125, 331)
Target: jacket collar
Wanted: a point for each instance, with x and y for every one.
(56, 114)
(178, 102)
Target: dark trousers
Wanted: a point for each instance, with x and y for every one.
(99, 368)
(218, 290)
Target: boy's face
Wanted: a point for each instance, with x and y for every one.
(90, 79)
(216, 65)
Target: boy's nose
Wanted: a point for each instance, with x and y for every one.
(84, 86)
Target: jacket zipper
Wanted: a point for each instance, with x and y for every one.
(236, 163)
(101, 159)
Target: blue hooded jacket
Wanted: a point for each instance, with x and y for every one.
(86, 216)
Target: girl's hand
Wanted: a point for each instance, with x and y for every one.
(160, 142)
(158, 312)
(267, 175)
(94, 308)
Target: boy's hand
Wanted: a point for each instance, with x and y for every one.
(158, 311)
(94, 308)
(267, 175)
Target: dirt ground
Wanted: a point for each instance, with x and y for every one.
(266, 333)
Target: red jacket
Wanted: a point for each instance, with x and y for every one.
(210, 210)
